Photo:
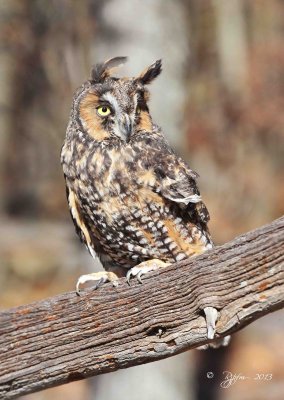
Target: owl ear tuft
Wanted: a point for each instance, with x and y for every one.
(101, 71)
(150, 73)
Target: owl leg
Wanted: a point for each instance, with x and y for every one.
(144, 268)
(101, 277)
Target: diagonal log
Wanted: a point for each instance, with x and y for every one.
(65, 338)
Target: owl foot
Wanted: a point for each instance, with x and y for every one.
(100, 277)
(143, 268)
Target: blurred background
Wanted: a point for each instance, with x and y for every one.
(220, 101)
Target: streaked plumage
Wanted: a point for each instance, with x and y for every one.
(132, 199)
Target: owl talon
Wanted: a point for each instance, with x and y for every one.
(128, 276)
(144, 268)
(100, 277)
(99, 283)
(139, 276)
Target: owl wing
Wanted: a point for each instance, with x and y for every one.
(177, 183)
(78, 220)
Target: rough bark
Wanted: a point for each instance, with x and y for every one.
(67, 337)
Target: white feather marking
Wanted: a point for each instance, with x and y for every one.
(194, 198)
(130, 247)
(92, 252)
(172, 246)
(112, 100)
(180, 256)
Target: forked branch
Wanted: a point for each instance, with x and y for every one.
(67, 337)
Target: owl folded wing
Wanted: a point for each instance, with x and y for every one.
(78, 219)
(178, 184)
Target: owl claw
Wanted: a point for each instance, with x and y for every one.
(144, 268)
(99, 277)
(128, 276)
(99, 283)
(134, 272)
(139, 276)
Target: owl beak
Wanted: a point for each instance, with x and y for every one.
(126, 127)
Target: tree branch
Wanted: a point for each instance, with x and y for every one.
(65, 338)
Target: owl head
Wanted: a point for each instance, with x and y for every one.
(111, 107)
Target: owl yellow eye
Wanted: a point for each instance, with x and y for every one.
(103, 111)
(138, 110)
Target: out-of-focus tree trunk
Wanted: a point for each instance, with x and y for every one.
(7, 8)
(49, 57)
(146, 31)
(232, 44)
(29, 89)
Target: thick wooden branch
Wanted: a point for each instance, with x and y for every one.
(67, 337)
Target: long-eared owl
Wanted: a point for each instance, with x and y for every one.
(134, 202)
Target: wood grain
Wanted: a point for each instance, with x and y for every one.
(66, 338)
